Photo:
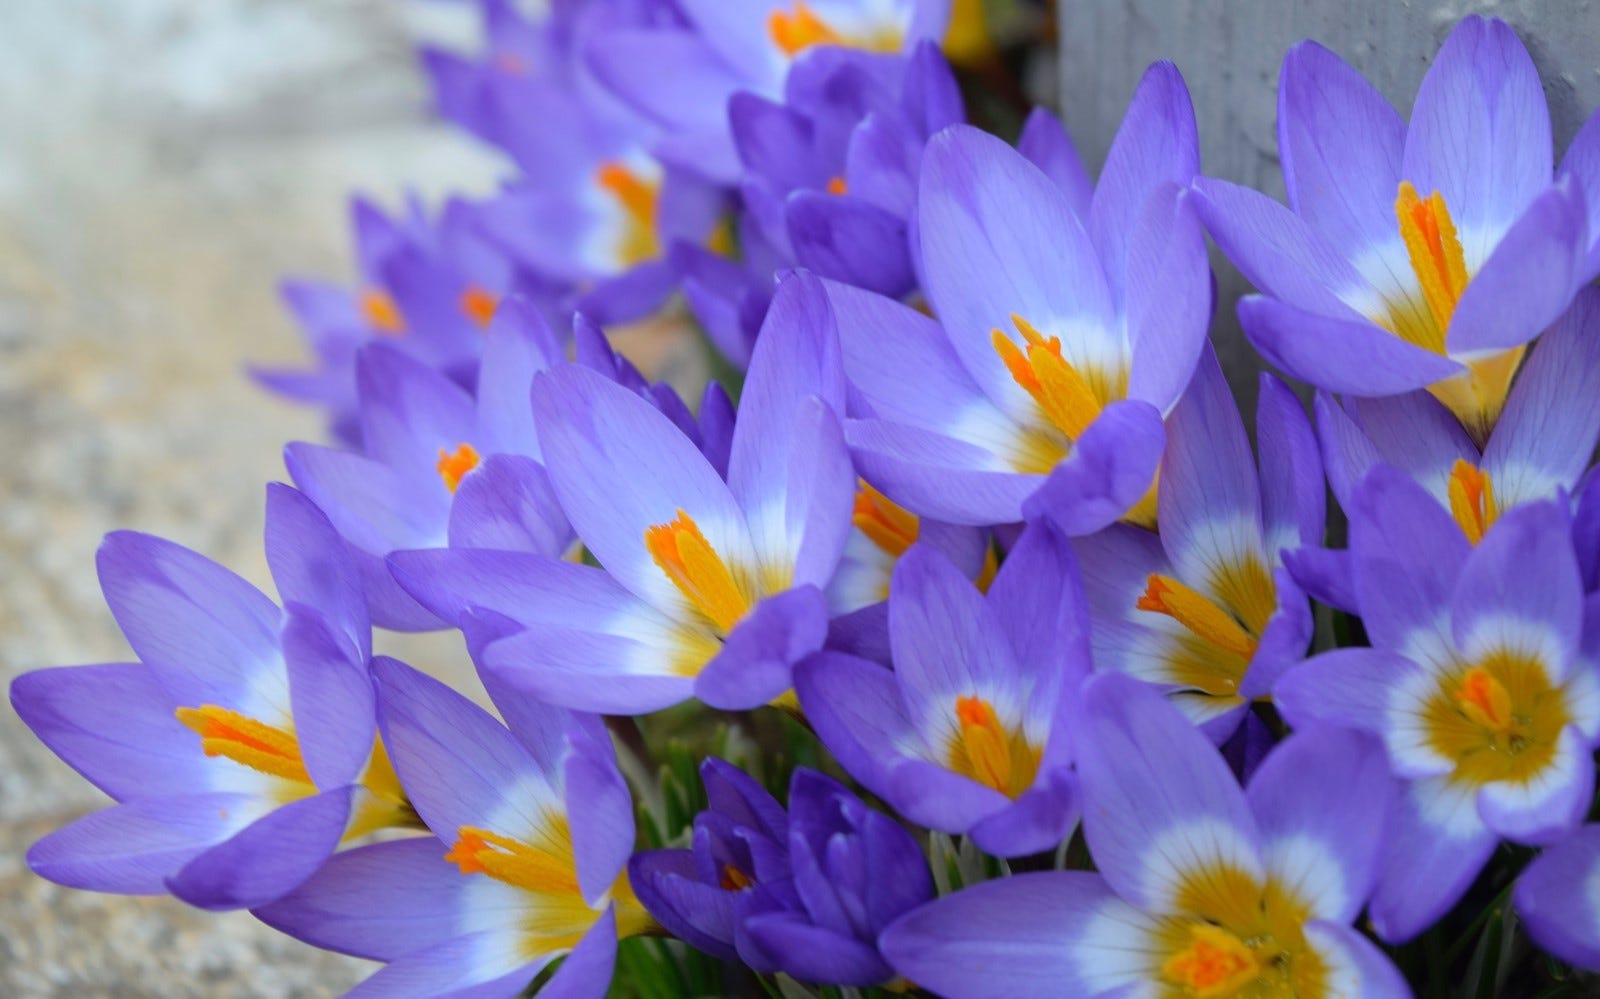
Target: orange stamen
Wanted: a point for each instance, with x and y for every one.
(1435, 250)
(381, 312)
(684, 554)
(1216, 963)
(734, 879)
(638, 198)
(1485, 700)
(245, 740)
(885, 523)
(546, 868)
(1197, 612)
(478, 304)
(1472, 499)
(989, 752)
(454, 466)
(1067, 398)
(836, 185)
(794, 33)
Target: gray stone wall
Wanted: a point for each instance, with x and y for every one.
(1230, 50)
(162, 162)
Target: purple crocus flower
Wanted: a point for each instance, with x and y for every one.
(1068, 325)
(682, 77)
(1201, 888)
(710, 588)
(532, 827)
(1481, 680)
(240, 747)
(1557, 901)
(1539, 449)
(805, 893)
(1420, 256)
(439, 466)
(1205, 608)
(969, 732)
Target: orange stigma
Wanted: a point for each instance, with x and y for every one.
(886, 523)
(454, 466)
(638, 197)
(244, 740)
(1435, 251)
(699, 573)
(1216, 963)
(1068, 399)
(478, 304)
(1472, 499)
(988, 752)
(548, 867)
(734, 879)
(1197, 612)
(1485, 700)
(381, 312)
(794, 33)
(836, 185)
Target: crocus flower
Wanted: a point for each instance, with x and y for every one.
(805, 893)
(1480, 680)
(532, 826)
(439, 466)
(1555, 896)
(682, 77)
(1068, 325)
(1420, 256)
(1539, 449)
(240, 747)
(968, 733)
(1202, 889)
(709, 588)
(1205, 608)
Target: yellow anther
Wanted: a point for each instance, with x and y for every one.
(886, 524)
(1216, 963)
(1485, 700)
(990, 753)
(245, 740)
(1198, 613)
(1440, 265)
(1061, 390)
(479, 304)
(454, 465)
(546, 868)
(1472, 499)
(699, 573)
(381, 312)
(638, 198)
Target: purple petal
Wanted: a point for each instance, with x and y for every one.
(1548, 805)
(507, 503)
(331, 694)
(1350, 687)
(757, 659)
(1341, 144)
(484, 965)
(1169, 297)
(1435, 847)
(1556, 900)
(1582, 164)
(814, 954)
(1044, 142)
(1110, 469)
(1480, 130)
(1325, 574)
(850, 239)
(311, 566)
(1036, 821)
(1341, 355)
(948, 479)
(856, 709)
(1293, 494)
(1320, 799)
(1407, 554)
(1353, 962)
(586, 671)
(267, 859)
(1160, 805)
(699, 914)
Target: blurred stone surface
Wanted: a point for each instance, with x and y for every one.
(163, 163)
(1229, 52)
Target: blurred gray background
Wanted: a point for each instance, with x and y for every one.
(162, 163)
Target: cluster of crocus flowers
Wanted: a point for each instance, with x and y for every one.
(964, 639)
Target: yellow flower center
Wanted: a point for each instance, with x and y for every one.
(1440, 267)
(381, 312)
(986, 750)
(1222, 631)
(1216, 963)
(1232, 936)
(795, 32)
(454, 465)
(1472, 499)
(1497, 719)
(544, 866)
(886, 523)
(638, 198)
(705, 580)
